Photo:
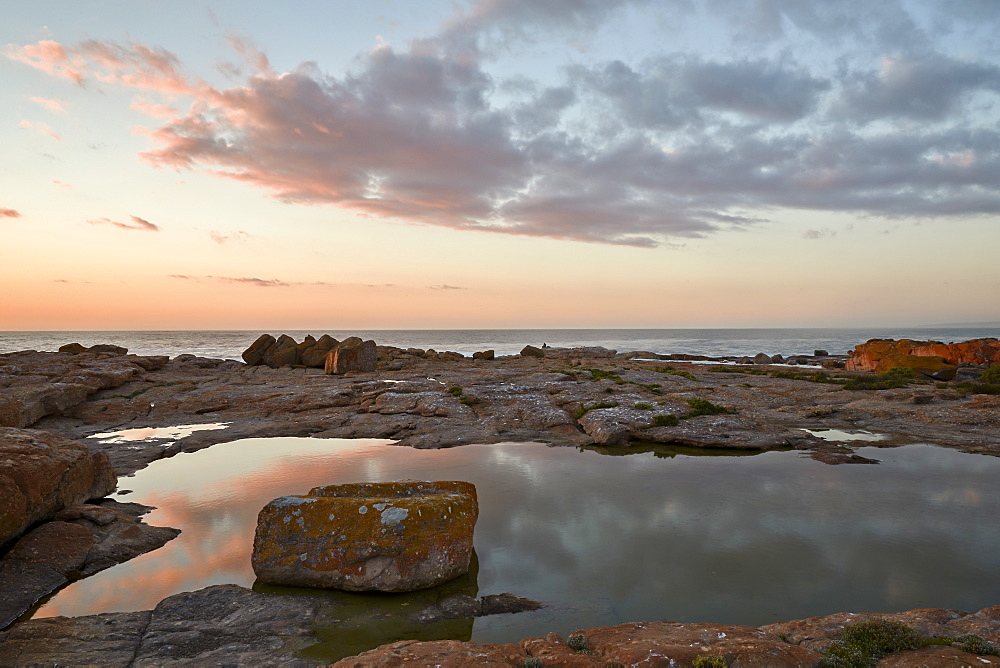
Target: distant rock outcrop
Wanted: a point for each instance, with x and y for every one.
(394, 536)
(327, 353)
(928, 358)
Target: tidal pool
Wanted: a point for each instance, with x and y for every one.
(661, 534)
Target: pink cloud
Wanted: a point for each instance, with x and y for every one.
(49, 57)
(220, 238)
(51, 105)
(152, 109)
(9, 213)
(137, 224)
(134, 65)
(39, 127)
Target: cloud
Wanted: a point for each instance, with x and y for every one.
(223, 238)
(9, 213)
(239, 280)
(643, 153)
(137, 224)
(819, 234)
(51, 105)
(930, 87)
(445, 286)
(39, 127)
(133, 65)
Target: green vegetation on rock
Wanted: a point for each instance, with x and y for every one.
(863, 644)
(709, 661)
(584, 408)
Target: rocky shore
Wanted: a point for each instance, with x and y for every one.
(61, 406)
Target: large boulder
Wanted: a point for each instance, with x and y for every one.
(254, 355)
(315, 355)
(394, 536)
(352, 354)
(284, 352)
(41, 473)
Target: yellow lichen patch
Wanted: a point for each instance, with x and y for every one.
(383, 536)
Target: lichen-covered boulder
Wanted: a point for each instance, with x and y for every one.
(393, 536)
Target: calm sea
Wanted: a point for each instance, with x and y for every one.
(230, 344)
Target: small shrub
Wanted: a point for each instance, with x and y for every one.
(863, 644)
(578, 643)
(730, 369)
(455, 390)
(974, 644)
(605, 374)
(705, 407)
(665, 421)
(900, 372)
(565, 372)
(532, 662)
(991, 375)
(675, 372)
(709, 661)
(883, 381)
(643, 407)
(468, 401)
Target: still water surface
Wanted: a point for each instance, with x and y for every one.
(664, 533)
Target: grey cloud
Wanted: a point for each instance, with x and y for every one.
(928, 87)
(674, 91)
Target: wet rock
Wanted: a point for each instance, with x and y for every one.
(81, 541)
(41, 473)
(399, 536)
(532, 351)
(223, 625)
(353, 354)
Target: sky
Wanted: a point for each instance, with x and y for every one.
(389, 164)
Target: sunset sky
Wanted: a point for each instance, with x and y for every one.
(500, 163)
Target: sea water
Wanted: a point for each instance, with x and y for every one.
(712, 342)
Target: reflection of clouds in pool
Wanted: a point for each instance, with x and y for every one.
(608, 539)
(151, 433)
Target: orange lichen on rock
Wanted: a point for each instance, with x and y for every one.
(395, 536)
(929, 358)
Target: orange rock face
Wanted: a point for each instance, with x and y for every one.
(397, 536)
(869, 356)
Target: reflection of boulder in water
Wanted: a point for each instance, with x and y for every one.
(349, 623)
(664, 451)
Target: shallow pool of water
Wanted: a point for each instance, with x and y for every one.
(664, 533)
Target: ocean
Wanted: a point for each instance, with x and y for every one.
(712, 342)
